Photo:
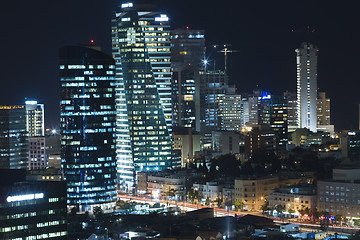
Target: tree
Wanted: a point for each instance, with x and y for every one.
(356, 236)
(207, 201)
(280, 209)
(170, 193)
(194, 196)
(73, 211)
(98, 212)
(338, 218)
(239, 205)
(324, 220)
(224, 165)
(315, 213)
(218, 201)
(265, 207)
(291, 210)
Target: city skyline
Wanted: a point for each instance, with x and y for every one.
(258, 32)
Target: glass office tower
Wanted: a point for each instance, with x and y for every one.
(141, 48)
(13, 143)
(87, 124)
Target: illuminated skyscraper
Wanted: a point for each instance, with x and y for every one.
(87, 125)
(35, 131)
(34, 119)
(231, 110)
(141, 48)
(306, 59)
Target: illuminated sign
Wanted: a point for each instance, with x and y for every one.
(30, 102)
(265, 95)
(25, 197)
(162, 18)
(126, 5)
(125, 19)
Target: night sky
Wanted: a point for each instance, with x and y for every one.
(32, 32)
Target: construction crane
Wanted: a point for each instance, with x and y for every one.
(226, 50)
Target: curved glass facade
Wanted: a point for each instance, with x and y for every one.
(141, 48)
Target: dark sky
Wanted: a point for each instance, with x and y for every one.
(32, 32)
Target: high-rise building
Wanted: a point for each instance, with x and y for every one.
(231, 111)
(37, 158)
(13, 142)
(185, 97)
(278, 120)
(323, 114)
(141, 48)
(253, 110)
(188, 46)
(306, 59)
(187, 57)
(264, 108)
(323, 109)
(34, 119)
(212, 90)
(250, 115)
(292, 119)
(87, 125)
(244, 111)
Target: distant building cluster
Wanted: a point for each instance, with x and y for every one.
(141, 121)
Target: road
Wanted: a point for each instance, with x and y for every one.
(219, 212)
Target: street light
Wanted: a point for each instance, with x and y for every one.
(205, 62)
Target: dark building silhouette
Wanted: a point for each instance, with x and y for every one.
(87, 125)
(13, 142)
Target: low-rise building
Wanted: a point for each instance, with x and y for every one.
(252, 192)
(341, 194)
(293, 198)
(209, 190)
(163, 184)
(289, 227)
